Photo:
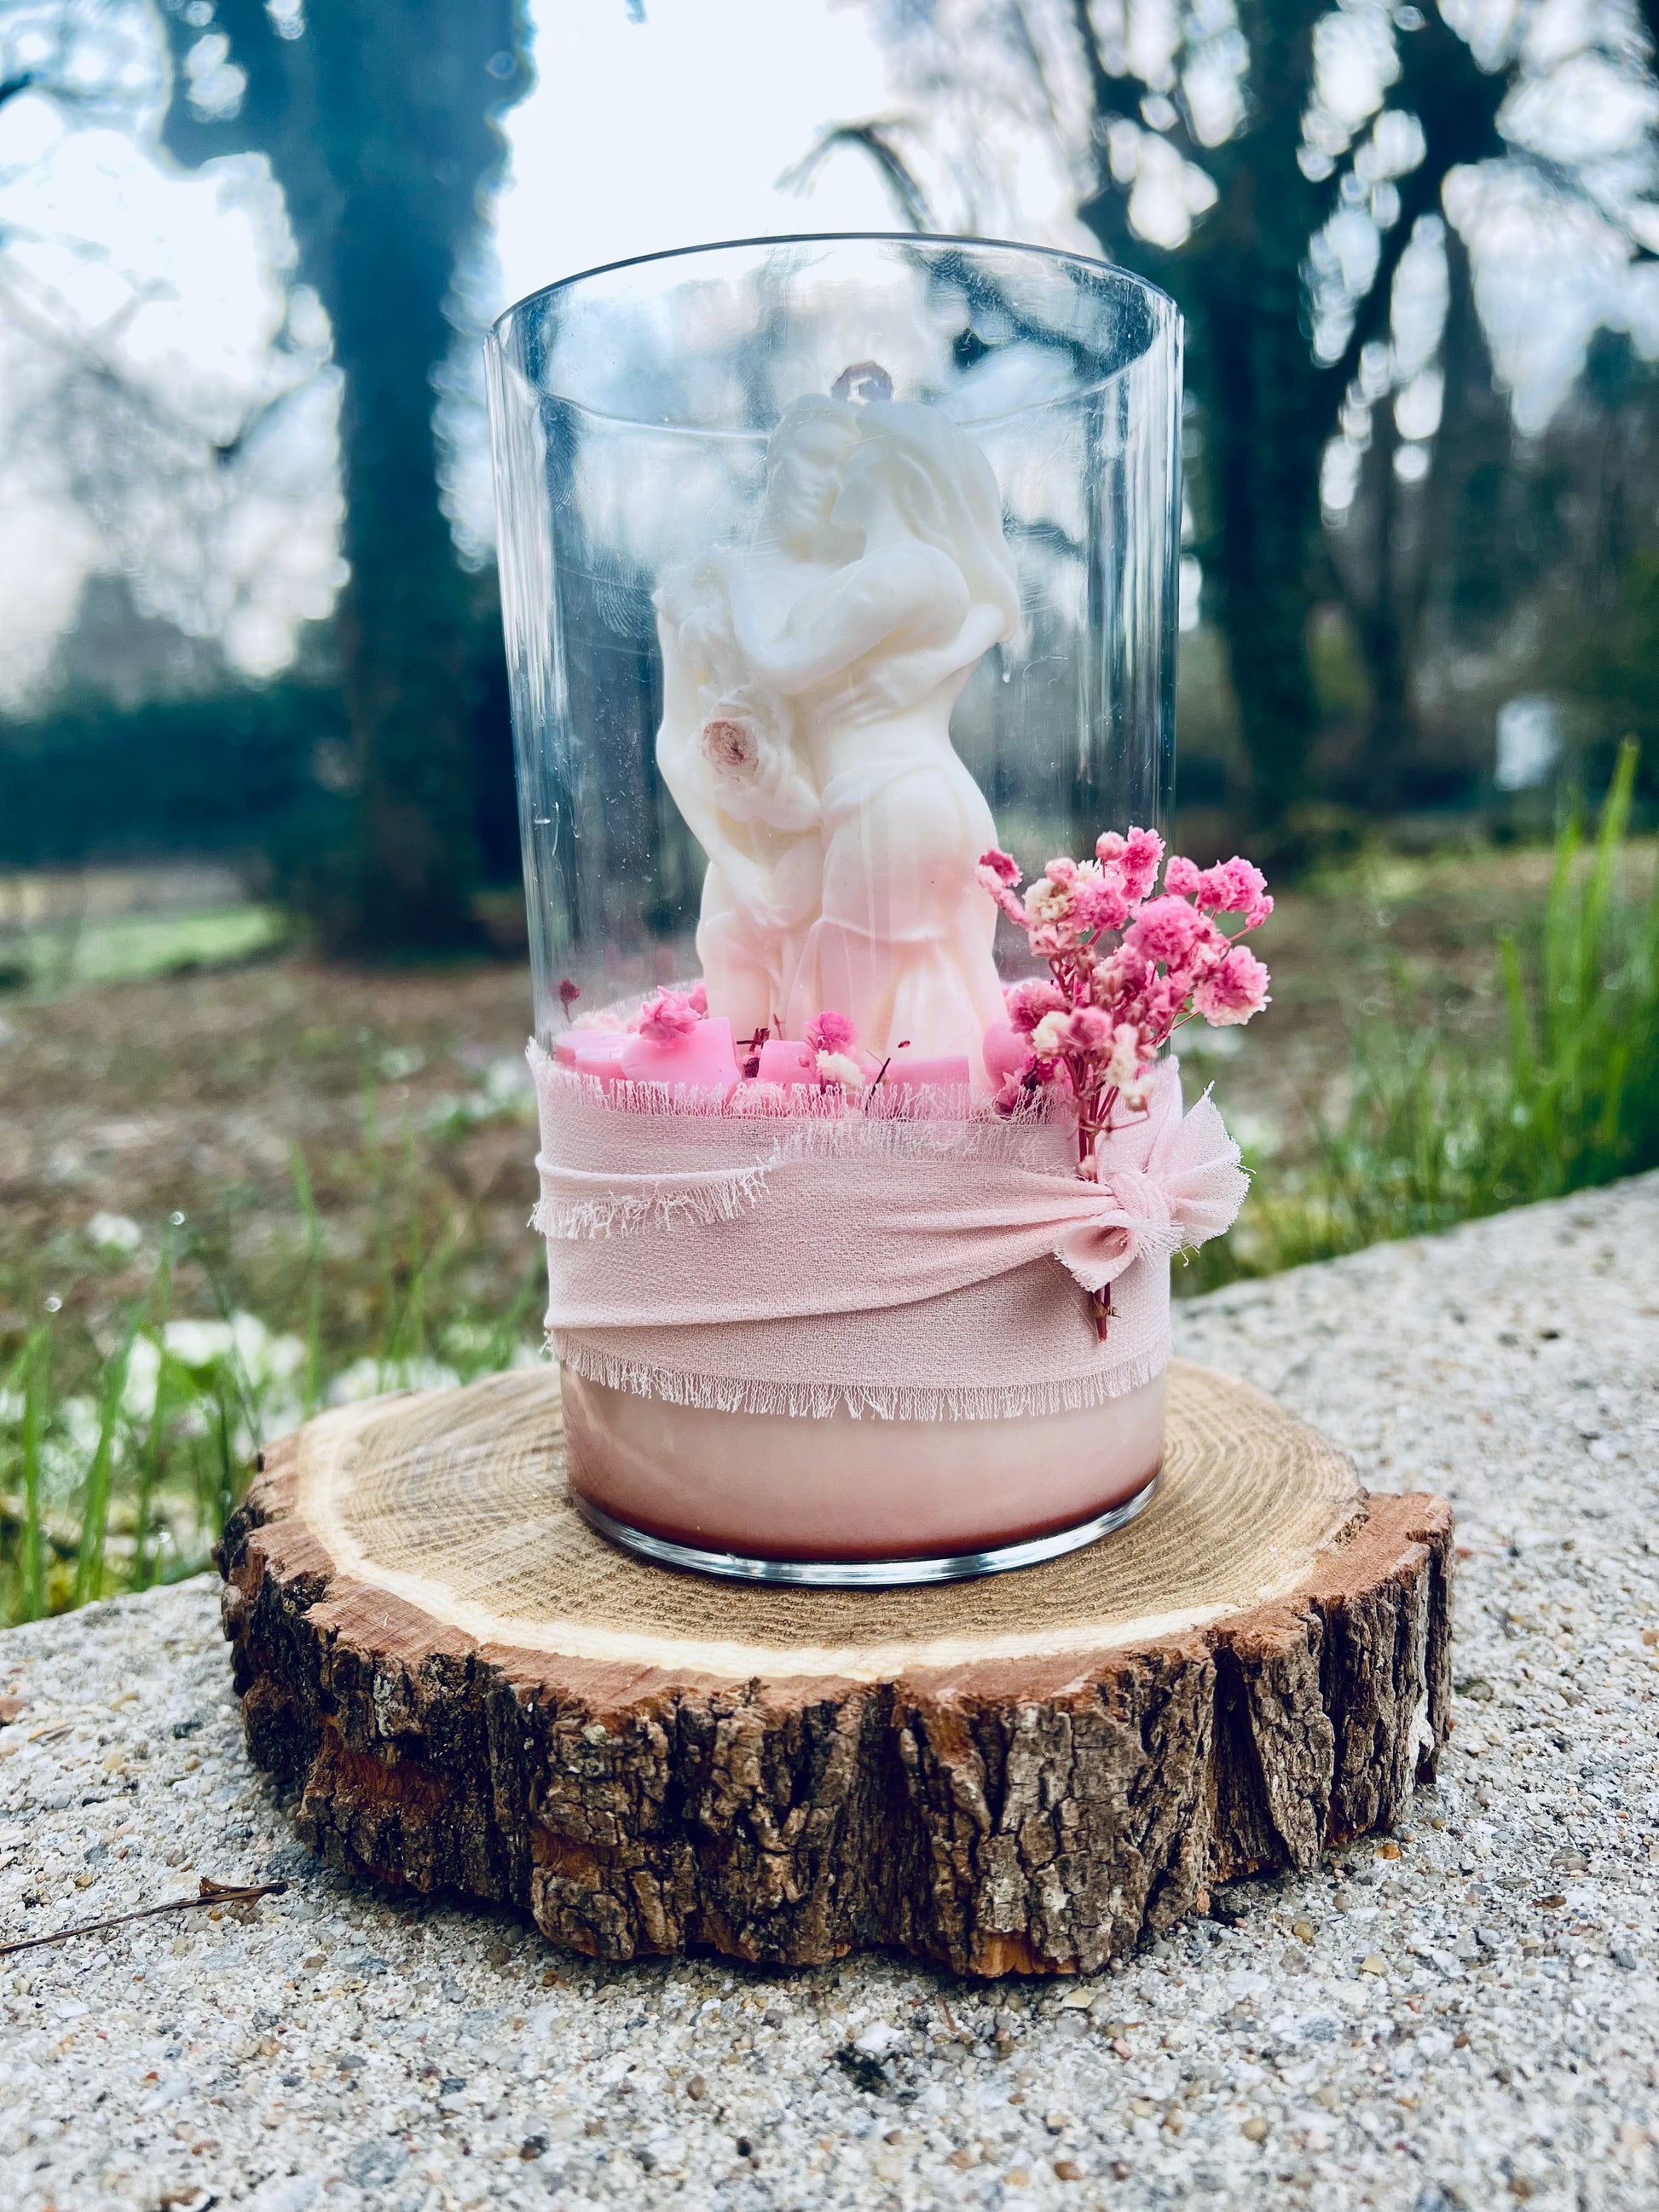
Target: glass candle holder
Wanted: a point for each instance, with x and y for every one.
(827, 565)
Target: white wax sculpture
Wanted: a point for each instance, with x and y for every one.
(808, 686)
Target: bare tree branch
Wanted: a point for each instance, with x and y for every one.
(871, 138)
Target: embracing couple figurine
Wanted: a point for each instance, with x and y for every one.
(808, 684)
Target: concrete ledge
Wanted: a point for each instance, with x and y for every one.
(1462, 2018)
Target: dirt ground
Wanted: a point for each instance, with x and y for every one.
(402, 1096)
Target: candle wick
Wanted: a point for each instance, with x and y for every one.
(751, 1045)
(862, 383)
(903, 1045)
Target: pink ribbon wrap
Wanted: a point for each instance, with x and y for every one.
(893, 1264)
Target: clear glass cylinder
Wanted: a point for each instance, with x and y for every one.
(826, 563)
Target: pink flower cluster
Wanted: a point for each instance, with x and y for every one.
(667, 1014)
(1125, 969)
(829, 1031)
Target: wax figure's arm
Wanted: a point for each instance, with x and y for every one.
(679, 737)
(833, 624)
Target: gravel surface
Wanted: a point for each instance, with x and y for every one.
(1463, 2016)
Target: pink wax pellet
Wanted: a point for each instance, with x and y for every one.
(701, 1060)
(1006, 1050)
(783, 1060)
(910, 1070)
(564, 1048)
(598, 1054)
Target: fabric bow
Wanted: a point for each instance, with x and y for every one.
(1166, 1181)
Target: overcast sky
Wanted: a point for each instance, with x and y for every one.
(675, 130)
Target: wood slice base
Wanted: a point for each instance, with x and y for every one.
(470, 1689)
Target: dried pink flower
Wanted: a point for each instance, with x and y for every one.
(1135, 858)
(1097, 1024)
(1236, 887)
(1027, 1003)
(697, 998)
(1014, 1093)
(666, 1015)
(1097, 1027)
(1167, 929)
(997, 885)
(1182, 876)
(1087, 1031)
(829, 1031)
(1233, 990)
(1047, 901)
(1101, 904)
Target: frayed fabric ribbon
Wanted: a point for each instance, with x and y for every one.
(894, 1265)
(1189, 1190)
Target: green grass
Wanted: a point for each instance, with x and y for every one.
(141, 1376)
(125, 1439)
(1440, 1127)
(134, 948)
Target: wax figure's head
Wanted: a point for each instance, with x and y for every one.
(804, 463)
(916, 475)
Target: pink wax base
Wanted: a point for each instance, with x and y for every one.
(706, 1058)
(767, 1486)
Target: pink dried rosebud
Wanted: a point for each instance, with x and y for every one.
(1234, 989)
(665, 1016)
(1003, 866)
(1062, 869)
(1236, 887)
(731, 745)
(1167, 929)
(1027, 1003)
(1135, 857)
(829, 1031)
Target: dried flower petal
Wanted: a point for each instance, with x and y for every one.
(1167, 930)
(829, 1032)
(667, 1015)
(835, 1067)
(1234, 990)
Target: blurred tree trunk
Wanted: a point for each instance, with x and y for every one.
(379, 124)
(1381, 619)
(1269, 404)
(1436, 559)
